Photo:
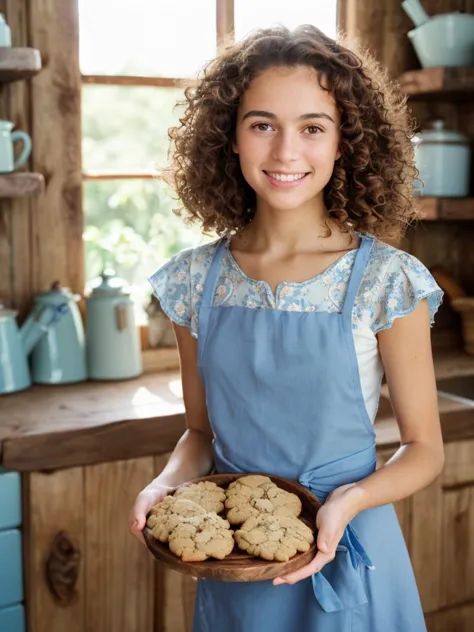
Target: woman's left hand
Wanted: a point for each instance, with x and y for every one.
(333, 517)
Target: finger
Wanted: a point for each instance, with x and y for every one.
(320, 560)
(323, 541)
(136, 528)
(138, 514)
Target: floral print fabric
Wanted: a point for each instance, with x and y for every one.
(394, 282)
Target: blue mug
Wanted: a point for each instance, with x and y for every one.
(7, 141)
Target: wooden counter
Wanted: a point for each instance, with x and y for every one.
(50, 427)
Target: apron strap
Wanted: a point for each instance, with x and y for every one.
(357, 274)
(211, 278)
(206, 302)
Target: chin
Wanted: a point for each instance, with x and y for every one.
(288, 202)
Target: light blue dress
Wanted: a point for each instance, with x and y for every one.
(284, 396)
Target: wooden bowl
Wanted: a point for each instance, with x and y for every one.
(239, 566)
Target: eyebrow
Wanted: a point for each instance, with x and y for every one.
(303, 117)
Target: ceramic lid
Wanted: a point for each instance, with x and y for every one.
(109, 284)
(55, 294)
(435, 132)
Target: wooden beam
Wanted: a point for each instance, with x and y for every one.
(119, 176)
(225, 24)
(57, 227)
(346, 17)
(125, 80)
(16, 253)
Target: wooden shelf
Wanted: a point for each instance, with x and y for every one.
(439, 84)
(21, 184)
(18, 63)
(433, 208)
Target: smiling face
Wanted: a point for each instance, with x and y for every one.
(287, 138)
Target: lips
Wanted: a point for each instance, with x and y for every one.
(285, 180)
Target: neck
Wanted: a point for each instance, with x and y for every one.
(291, 230)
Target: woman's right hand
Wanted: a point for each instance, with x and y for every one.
(151, 495)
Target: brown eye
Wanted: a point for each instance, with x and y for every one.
(313, 129)
(262, 127)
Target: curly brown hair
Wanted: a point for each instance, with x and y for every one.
(370, 189)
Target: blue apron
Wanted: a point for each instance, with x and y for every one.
(284, 397)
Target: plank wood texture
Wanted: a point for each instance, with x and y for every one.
(118, 569)
(54, 566)
(459, 209)
(439, 83)
(16, 284)
(57, 226)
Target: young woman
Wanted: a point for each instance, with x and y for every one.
(298, 155)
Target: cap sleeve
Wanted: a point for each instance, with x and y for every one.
(406, 283)
(172, 286)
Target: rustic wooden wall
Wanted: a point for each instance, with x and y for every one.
(41, 238)
(382, 26)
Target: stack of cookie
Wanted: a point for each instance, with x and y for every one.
(267, 517)
(188, 521)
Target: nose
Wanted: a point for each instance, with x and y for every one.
(286, 147)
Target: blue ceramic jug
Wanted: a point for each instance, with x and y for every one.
(54, 336)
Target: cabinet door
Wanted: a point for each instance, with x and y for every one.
(118, 569)
(12, 619)
(439, 530)
(11, 577)
(85, 571)
(54, 525)
(10, 499)
(457, 550)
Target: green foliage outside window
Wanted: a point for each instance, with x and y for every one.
(129, 223)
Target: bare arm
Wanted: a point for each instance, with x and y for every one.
(407, 359)
(408, 363)
(192, 456)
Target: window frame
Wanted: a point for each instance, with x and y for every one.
(225, 18)
(160, 358)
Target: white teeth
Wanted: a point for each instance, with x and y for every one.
(287, 178)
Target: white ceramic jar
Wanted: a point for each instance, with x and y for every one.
(443, 160)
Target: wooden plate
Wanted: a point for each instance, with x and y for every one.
(240, 566)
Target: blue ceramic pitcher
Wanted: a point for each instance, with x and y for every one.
(52, 333)
(112, 340)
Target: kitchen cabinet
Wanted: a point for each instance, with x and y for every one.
(11, 559)
(438, 523)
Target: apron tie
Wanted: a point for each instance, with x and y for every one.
(339, 585)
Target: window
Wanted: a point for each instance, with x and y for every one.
(134, 59)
